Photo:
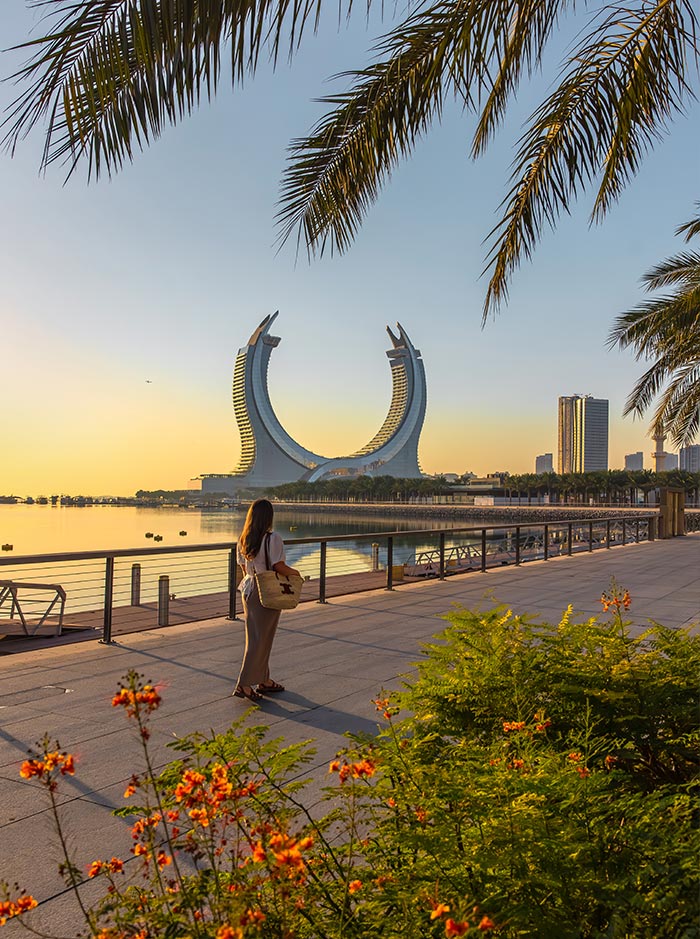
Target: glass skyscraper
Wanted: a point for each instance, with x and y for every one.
(583, 434)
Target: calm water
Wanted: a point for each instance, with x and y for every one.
(45, 529)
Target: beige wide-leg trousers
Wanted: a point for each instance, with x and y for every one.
(260, 628)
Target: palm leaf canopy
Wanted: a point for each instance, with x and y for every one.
(666, 329)
(108, 75)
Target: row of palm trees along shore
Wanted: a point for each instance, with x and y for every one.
(612, 487)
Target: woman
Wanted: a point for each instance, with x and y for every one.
(258, 546)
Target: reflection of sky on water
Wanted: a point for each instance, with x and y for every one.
(304, 524)
(37, 530)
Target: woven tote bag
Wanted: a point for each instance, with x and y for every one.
(277, 591)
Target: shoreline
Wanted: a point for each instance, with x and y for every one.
(499, 513)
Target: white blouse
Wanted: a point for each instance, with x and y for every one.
(253, 566)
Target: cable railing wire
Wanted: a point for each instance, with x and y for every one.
(144, 588)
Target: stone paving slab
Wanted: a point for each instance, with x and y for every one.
(334, 659)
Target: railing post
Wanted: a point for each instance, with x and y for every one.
(483, 550)
(136, 585)
(590, 536)
(109, 595)
(442, 555)
(163, 599)
(570, 550)
(375, 557)
(546, 542)
(517, 544)
(390, 563)
(232, 587)
(652, 529)
(607, 533)
(322, 573)
(624, 532)
(637, 531)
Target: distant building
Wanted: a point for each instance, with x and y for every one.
(662, 460)
(690, 458)
(634, 461)
(544, 463)
(583, 434)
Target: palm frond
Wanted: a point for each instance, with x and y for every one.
(682, 269)
(111, 74)
(335, 173)
(667, 330)
(454, 47)
(519, 45)
(609, 108)
(690, 229)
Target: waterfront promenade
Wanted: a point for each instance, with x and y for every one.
(333, 658)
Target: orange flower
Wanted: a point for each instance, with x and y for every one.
(136, 699)
(139, 849)
(68, 767)
(574, 757)
(365, 768)
(259, 853)
(24, 903)
(513, 725)
(421, 815)
(95, 868)
(391, 802)
(362, 769)
(626, 599)
(229, 932)
(54, 759)
(486, 924)
(8, 908)
(252, 916)
(453, 928)
(583, 772)
(31, 768)
(163, 859)
(439, 909)
(610, 761)
(354, 886)
(199, 816)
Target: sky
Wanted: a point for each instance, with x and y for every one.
(123, 302)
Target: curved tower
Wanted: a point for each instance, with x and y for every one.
(270, 457)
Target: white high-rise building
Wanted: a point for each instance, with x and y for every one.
(690, 458)
(634, 461)
(544, 463)
(583, 434)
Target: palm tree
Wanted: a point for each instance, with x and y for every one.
(108, 75)
(667, 330)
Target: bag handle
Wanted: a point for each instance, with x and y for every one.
(267, 551)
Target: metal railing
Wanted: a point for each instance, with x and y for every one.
(135, 589)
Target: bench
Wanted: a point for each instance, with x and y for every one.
(23, 604)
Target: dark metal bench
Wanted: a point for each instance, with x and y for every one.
(23, 605)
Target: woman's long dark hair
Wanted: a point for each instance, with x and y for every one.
(258, 521)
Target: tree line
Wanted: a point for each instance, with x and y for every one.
(623, 487)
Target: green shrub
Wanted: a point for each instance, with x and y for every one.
(542, 783)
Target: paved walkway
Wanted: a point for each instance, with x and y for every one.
(334, 659)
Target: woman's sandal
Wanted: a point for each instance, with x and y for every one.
(252, 695)
(267, 687)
